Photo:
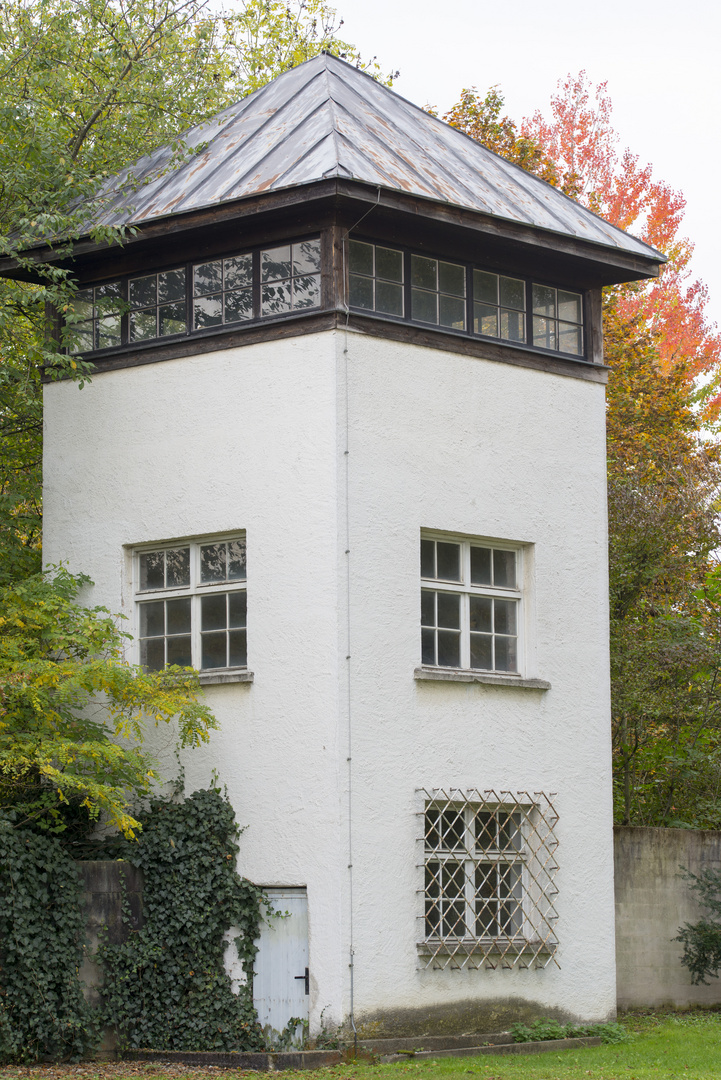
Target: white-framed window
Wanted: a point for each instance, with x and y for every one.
(489, 864)
(191, 604)
(470, 604)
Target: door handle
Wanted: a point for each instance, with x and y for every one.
(306, 979)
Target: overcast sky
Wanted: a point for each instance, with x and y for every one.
(661, 61)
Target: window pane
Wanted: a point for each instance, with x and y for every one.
(238, 272)
(485, 287)
(275, 263)
(142, 291)
(481, 652)
(152, 654)
(207, 278)
(512, 293)
(449, 609)
(152, 572)
(513, 325)
(481, 566)
(506, 654)
(449, 561)
(424, 272)
(84, 339)
(171, 286)
(171, 319)
(361, 258)
(152, 619)
(179, 651)
(237, 648)
(361, 292)
(239, 305)
(237, 604)
(505, 616)
(143, 325)
(486, 830)
(451, 829)
(213, 612)
(214, 650)
(177, 614)
(389, 298)
(485, 320)
(424, 306)
(428, 607)
(428, 646)
(453, 312)
(544, 301)
(544, 333)
(569, 306)
(480, 613)
(83, 303)
(108, 332)
(306, 291)
(509, 831)
(570, 338)
(213, 563)
(452, 278)
(112, 290)
(504, 568)
(428, 559)
(389, 264)
(177, 568)
(306, 257)
(236, 560)
(275, 299)
(449, 648)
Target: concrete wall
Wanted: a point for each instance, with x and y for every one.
(652, 902)
(255, 438)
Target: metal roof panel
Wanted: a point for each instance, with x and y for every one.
(325, 118)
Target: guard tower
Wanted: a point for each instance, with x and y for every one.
(344, 452)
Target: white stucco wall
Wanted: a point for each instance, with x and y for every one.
(254, 438)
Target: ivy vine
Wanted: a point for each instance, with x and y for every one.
(42, 929)
(166, 987)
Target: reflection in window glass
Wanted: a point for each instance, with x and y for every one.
(100, 309)
(290, 277)
(157, 305)
(222, 292)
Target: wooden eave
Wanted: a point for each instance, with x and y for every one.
(447, 230)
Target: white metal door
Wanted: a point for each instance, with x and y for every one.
(281, 981)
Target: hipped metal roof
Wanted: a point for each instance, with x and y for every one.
(326, 119)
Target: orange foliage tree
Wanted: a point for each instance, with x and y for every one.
(580, 139)
(577, 150)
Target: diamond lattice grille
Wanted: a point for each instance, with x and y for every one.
(489, 863)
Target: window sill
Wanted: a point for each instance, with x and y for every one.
(215, 678)
(435, 674)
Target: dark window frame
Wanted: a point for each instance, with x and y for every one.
(468, 333)
(257, 319)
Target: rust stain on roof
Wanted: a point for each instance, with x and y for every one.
(326, 118)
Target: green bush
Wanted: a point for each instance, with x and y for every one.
(166, 988)
(42, 1010)
(543, 1029)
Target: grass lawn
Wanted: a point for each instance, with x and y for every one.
(660, 1047)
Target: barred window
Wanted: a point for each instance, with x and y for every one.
(192, 605)
(488, 893)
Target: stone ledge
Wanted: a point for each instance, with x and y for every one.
(216, 678)
(433, 674)
(539, 1047)
(236, 1059)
